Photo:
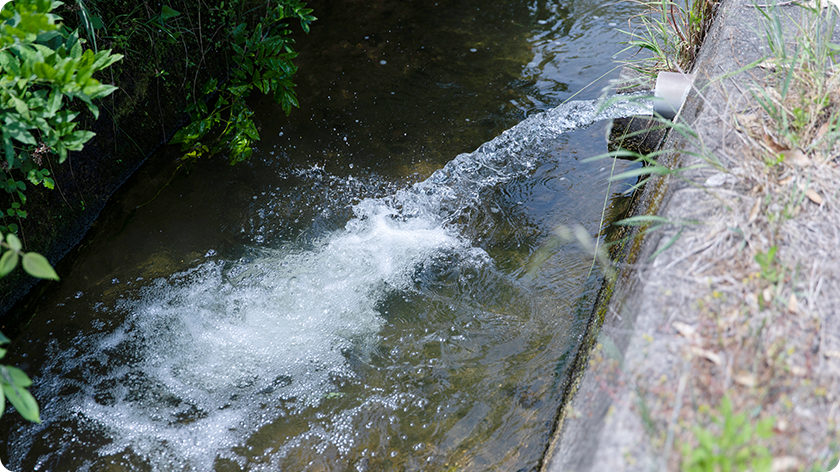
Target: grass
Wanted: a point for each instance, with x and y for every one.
(750, 298)
(672, 32)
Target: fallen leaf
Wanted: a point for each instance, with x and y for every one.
(796, 157)
(783, 464)
(814, 196)
(773, 144)
(813, 4)
(767, 295)
(784, 182)
(831, 353)
(754, 211)
(793, 304)
(719, 179)
(823, 129)
(745, 379)
(769, 65)
(685, 329)
(798, 371)
(709, 355)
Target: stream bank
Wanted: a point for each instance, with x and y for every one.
(696, 316)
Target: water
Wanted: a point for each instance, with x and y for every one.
(342, 306)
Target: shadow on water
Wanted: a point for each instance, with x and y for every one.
(355, 297)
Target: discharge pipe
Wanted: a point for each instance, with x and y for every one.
(670, 92)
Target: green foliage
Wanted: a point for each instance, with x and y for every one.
(672, 32)
(769, 267)
(801, 108)
(731, 443)
(13, 382)
(45, 76)
(264, 54)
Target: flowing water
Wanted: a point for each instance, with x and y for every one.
(337, 303)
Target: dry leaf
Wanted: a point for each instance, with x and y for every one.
(783, 464)
(793, 304)
(773, 144)
(798, 371)
(813, 4)
(831, 353)
(796, 157)
(814, 196)
(745, 379)
(709, 355)
(784, 182)
(685, 329)
(754, 211)
(719, 179)
(767, 294)
(748, 122)
(823, 129)
(769, 65)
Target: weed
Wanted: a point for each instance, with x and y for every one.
(768, 264)
(672, 32)
(730, 443)
(798, 119)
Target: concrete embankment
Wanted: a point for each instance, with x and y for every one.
(663, 354)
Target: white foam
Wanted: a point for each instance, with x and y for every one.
(206, 357)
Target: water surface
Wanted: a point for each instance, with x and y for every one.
(336, 304)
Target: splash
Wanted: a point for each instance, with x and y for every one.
(204, 358)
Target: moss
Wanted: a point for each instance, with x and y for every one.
(625, 252)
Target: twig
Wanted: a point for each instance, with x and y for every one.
(781, 4)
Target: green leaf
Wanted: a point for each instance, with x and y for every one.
(13, 242)
(18, 377)
(8, 262)
(9, 63)
(2, 401)
(210, 86)
(37, 265)
(18, 131)
(104, 59)
(167, 13)
(643, 219)
(8, 147)
(98, 90)
(4, 339)
(23, 401)
(44, 71)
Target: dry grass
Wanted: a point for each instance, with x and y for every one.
(756, 309)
